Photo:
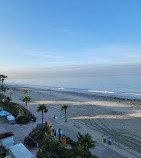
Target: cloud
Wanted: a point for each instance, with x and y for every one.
(103, 55)
(75, 71)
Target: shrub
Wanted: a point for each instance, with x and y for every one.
(79, 152)
(50, 144)
(46, 155)
(71, 142)
(22, 120)
(8, 108)
(38, 134)
(2, 96)
(52, 149)
(13, 108)
(32, 117)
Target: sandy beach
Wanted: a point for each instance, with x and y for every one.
(117, 119)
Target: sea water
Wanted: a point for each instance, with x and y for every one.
(114, 86)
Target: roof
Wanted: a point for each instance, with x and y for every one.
(20, 151)
(6, 135)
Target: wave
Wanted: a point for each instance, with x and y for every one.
(101, 93)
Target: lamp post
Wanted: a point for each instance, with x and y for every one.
(32, 123)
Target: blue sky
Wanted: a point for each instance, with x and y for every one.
(69, 33)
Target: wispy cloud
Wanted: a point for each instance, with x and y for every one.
(103, 55)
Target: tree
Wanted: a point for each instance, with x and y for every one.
(3, 89)
(2, 78)
(43, 108)
(86, 142)
(10, 93)
(25, 91)
(27, 99)
(64, 107)
(7, 101)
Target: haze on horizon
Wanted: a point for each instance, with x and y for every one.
(70, 38)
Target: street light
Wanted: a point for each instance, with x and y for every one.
(32, 123)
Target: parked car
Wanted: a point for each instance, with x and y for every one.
(11, 119)
(39, 124)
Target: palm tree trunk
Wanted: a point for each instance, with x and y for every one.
(42, 117)
(28, 112)
(26, 104)
(85, 154)
(65, 116)
(2, 83)
(26, 108)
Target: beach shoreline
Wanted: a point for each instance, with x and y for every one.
(99, 116)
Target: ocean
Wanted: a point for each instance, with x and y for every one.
(128, 87)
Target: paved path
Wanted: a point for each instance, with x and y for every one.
(22, 131)
(100, 150)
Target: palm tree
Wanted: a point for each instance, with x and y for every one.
(86, 142)
(43, 108)
(64, 107)
(25, 91)
(27, 99)
(10, 93)
(3, 89)
(2, 78)
(7, 101)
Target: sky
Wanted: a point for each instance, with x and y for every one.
(70, 35)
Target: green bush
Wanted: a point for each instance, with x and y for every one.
(22, 120)
(79, 152)
(38, 134)
(32, 117)
(50, 144)
(46, 155)
(13, 109)
(2, 96)
(8, 108)
(52, 149)
(71, 142)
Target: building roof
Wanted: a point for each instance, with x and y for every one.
(6, 135)
(20, 151)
